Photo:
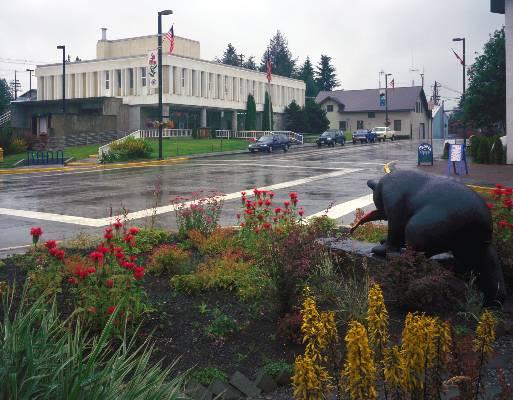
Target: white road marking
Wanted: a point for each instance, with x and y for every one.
(346, 208)
(99, 222)
(270, 165)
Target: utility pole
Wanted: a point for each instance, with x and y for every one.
(159, 52)
(241, 56)
(15, 85)
(387, 122)
(30, 79)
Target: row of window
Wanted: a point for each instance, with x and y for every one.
(130, 78)
(342, 125)
(370, 114)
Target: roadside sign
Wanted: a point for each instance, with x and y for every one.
(425, 154)
(457, 155)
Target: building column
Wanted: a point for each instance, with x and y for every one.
(509, 78)
(234, 120)
(203, 118)
(171, 80)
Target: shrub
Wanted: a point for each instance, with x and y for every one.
(201, 212)
(170, 260)
(43, 358)
(130, 148)
(497, 151)
(5, 138)
(323, 225)
(274, 368)
(147, 239)
(17, 145)
(222, 326)
(218, 242)
(289, 327)
(207, 375)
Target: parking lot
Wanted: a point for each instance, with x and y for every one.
(66, 203)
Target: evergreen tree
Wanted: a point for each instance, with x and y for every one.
(315, 118)
(326, 77)
(306, 74)
(250, 124)
(230, 56)
(268, 109)
(5, 95)
(282, 62)
(250, 63)
(294, 117)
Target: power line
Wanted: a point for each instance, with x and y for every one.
(452, 90)
(21, 61)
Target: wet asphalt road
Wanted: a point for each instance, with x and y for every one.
(320, 177)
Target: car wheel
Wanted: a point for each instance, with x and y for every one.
(318, 145)
(342, 143)
(252, 151)
(285, 149)
(392, 138)
(270, 149)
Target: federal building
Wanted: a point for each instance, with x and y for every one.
(112, 92)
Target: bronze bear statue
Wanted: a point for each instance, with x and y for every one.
(433, 215)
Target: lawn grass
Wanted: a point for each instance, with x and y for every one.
(171, 148)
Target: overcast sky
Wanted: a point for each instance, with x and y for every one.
(362, 36)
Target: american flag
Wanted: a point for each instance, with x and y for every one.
(171, 36)
(458, 57)
(269, 68)
(392, 83)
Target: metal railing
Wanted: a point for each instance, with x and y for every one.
(145, 134)
(228, 134)
(5, 118)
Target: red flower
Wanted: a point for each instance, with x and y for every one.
(257, 231)
(36, 231)
(237, 215)
(286, 204)
(243, 193)
(111, 309)
(490, 206)
(301, 212)
(72, 281)
(267, 225)
(499, 186)
(109, 283)
(118, 224)
(260, 217)
(271, 195)
(58, 254)
(293, 195)
(133, 230)
(256, 192)
(80, 272)
(91, 270)
(503, 224)
(268, 202)
(132, 258)
(138, 273)
(50, 244)
(508, 191)
(260, 202)
(108, 236)
(120, 256)
(249, 211)
(497, 192)
(277, 210)
(102, 249)
(128, 238)
(96, 256)
(108, 230)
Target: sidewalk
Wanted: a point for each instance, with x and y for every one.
(478, 174)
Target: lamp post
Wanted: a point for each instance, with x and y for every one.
(159, 50)
(63, 48)
(30, 80)
(387, 122)
(463, 94)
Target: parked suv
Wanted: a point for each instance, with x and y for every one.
(331, 137)
(384, 133)
(364, 136)
(270, 143)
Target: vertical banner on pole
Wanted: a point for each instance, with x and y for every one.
(153, 70)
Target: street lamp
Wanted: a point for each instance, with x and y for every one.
(387, 122)
(463, 94)
(63, 48)
(159, 49)
(30, 80)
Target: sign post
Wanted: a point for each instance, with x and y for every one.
(457, 155)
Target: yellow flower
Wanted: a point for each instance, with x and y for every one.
(359, 371)
(377, 319)
(310, 381)
(485, 335)
(392, 370)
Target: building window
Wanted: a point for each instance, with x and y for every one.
(118, 72)
(143, 76)
(397, 125)
(226, 86)
(131, 78)
(329, 108)
(183, 77)
(359, 124)
(107, 79)
(342, 125)
(371, 114)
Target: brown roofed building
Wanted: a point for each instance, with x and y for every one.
(349, 110)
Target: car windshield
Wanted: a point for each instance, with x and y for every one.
(328, 134)
(263, 139)
(380, 129)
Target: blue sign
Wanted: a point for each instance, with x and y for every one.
(425, 154)
(382, 99)
(457, 155)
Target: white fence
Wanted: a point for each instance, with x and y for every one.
(227, 134)
(146, 134)
(4, 118)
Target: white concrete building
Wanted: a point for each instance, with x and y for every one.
(196, 93)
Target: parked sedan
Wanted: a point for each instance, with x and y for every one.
(270, 144)
(364, 136)
(330, 138)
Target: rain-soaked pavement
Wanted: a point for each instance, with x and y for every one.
(321, 177)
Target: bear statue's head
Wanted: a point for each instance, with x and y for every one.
(377, 214)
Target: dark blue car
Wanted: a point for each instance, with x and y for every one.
(364, 136)
(270, 144)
